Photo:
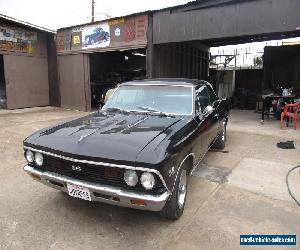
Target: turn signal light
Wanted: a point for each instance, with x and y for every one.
(138, 202)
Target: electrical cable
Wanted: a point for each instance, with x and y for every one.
(288, 186)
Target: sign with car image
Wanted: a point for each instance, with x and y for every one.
(112, 33)
(96, 36)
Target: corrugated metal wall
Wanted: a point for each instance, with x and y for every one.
(26, 80)
(74, 82)
(179, 60)
(231, 19)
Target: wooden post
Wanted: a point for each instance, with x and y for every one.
(93, 11)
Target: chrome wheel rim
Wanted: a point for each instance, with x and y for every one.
(182, 189)
(223, 135)
(224, 132)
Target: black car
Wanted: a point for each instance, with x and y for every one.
(138, 150)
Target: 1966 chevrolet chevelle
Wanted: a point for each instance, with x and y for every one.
(138, 150)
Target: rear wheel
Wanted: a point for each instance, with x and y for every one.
(221, 140)
(175, 204)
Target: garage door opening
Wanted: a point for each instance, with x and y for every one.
(2, 85)
(108, 69)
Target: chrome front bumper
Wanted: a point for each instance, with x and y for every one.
(99, 192)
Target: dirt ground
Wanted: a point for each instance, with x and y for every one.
(238, 191)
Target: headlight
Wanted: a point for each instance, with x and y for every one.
(147, 180)
(131, 178)
(29, 156)
(39, 159)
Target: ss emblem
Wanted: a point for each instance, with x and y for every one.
(76, 168)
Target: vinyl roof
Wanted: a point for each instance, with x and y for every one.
(166, 81)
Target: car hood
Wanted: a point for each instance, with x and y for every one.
(105, 135)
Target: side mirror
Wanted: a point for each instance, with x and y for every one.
(101, 104)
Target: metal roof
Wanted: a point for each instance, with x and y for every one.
(109, 19)
(23, 23)
(197, 4)
(201, 4)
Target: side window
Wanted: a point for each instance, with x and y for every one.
(212, 95)
(202, 98)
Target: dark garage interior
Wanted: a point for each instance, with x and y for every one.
(2, 84)
(280, 70)
(282, 67)
(107, 69)
(248, 87)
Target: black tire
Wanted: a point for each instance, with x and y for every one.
(220, 142)
(172, 210)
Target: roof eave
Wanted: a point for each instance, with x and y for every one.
(33, 26)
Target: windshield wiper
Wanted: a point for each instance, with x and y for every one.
(155, 111)
(118, 109)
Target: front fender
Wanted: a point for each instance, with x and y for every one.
(170, 168)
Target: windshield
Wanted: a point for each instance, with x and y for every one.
(175, 100)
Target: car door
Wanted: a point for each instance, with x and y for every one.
(203, 117)
(215, 116)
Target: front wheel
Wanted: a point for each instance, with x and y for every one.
(175, 204)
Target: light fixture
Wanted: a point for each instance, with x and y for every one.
(138, 54)
(147, 180)
(39, 159)
(131, 178)
(29, 156)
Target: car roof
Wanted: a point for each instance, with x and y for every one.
(167, 81)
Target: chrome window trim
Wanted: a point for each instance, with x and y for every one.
(101, 164)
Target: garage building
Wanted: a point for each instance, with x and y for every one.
(27, 65)
(90, 58)
(97, 56)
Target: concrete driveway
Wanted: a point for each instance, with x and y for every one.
(237, 191)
